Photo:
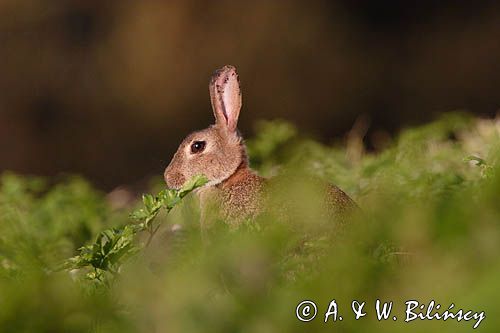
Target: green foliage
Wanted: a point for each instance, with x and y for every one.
(42, 226)
(113, 246)
(429, 229)
(267, 147)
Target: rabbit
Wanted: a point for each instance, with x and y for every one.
(219, 153)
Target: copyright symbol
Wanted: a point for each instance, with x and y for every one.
(306, 311)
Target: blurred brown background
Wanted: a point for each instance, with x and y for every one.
(109, 88)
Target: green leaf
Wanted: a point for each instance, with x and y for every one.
(478, 160)
(192, 184)
(113, 246)
(139, 214)
(149, 202)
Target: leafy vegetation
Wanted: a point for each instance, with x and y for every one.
(429, 230)
(113, 246)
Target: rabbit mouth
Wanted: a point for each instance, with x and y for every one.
(175, 180)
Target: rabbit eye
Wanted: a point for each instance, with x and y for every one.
(197, 147)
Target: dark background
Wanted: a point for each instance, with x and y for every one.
(108, 89)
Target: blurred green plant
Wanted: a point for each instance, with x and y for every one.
(267, 149)
(41, 224)
(430, 230)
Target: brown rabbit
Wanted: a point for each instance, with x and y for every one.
(219, 153)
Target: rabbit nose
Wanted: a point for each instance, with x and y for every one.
(174, 179)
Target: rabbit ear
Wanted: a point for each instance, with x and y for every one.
(226, 97)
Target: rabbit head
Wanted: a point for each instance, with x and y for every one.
(218, 150)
